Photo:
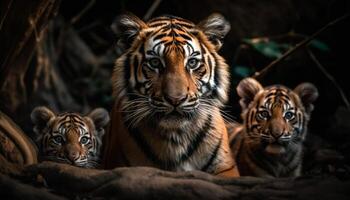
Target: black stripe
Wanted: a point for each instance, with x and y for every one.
(155, 24)
(127, 69)
(235, 139)
(136, 66)
(247, 121)
(186, 25)
(146, 148)
(198, 139)
(214, 93)
(250, 120)
(210, 64)
(213, 156)
(288, 94)
(79, 123)
(278, 93)
(186, 37)
(159, 36)
(201, 71)
(270, 94)
(225, 170)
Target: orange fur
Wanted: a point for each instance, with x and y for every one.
(169, 87)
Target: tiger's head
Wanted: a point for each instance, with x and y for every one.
(69, 137)
(170, 70)
(275, 117)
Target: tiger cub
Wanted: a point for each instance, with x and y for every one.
(275, 119)
(70, 137)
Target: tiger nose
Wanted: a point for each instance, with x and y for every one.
(276, 136)
(277, 132)
(73, 156)
(175, 100)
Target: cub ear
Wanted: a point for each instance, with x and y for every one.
(247, 89)
(307, 93)
(215, 27)
(127, 27)
(100, 117)
(40, 116)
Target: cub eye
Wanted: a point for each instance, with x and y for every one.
(263, 114)
(58, 139)
(192, 63)
(289, 115)
(155, 63)
(84, 140)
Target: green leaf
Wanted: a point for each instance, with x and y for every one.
(242, 71)
(319, 45)
(268, 48)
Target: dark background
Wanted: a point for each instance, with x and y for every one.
(73, 60)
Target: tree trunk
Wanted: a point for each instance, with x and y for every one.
(21, 23)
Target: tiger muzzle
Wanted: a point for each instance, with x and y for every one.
(72, 153)
(175, 100)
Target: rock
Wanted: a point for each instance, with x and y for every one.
(65, 181)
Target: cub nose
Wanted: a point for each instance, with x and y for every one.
(175, 100)
(73, 156)
(72, 152)
(277, 135)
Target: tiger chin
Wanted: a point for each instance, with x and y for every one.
(70, 137)
(169, 87)
(269, 143)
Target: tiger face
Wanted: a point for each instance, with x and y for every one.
(275, 117)
(69, 137)
(171, 72)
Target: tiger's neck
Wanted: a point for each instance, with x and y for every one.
(169, 148)
(257, 162)
(175, 149)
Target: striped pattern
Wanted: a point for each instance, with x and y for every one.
(69, 139)
(190, 147)
(269, 142)
(165, 37)
(169, 87)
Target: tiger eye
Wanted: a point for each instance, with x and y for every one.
(263, 114)
(84, 140)
(58, 139)
(289, 115)
(192, 63)
(155, 62)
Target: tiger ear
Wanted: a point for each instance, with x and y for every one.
(215, 27)
(40, 116)
(307, 93)
(127, 27)
(100, 118)
(247, 89)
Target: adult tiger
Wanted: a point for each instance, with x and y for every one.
(69, 137)
(169, 87)
(275, 119)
